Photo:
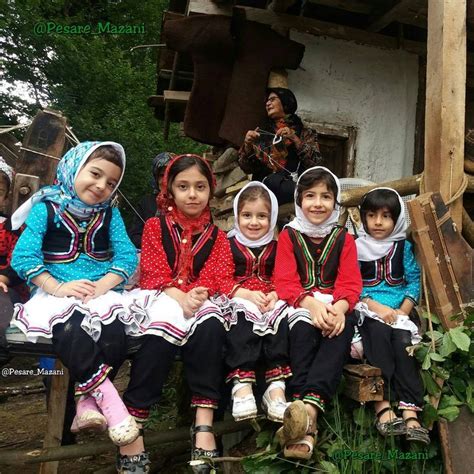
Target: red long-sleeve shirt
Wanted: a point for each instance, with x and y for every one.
(348, 284)
(155, 272)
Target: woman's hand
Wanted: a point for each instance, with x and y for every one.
(288, 133)
(338, 322)
(322, 319)
(389, 315)
(4, 287)
(259, 299)
(251, 137)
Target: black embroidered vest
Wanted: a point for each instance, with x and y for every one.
(249, 264)
(65, 240)
(317, 264)
(202, 246)
(389, 268)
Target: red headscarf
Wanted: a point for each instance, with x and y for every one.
(190, 226)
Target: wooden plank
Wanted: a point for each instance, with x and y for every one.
(355, 6)
(24, 187)
(467, 228)
(56, 412)
(155, 101)
(179, 97)
(310, 26)
(433, 259)
(390, 16)
(446, 100)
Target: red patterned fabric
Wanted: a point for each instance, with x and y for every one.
(7, 244)
(190, 226)
(155, 272)
(348, 284)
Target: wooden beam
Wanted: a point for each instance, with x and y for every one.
(310, 26)
(364, 7)
(179, 97)
(445, 100)
(390, 16)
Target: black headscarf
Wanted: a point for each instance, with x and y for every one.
(290, 105)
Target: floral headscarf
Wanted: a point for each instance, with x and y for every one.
(62, 192)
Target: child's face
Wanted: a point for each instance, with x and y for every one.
(96, 181)
(3, 191)
(317, 203)
(254, 219)
(380, 223)
(191, 192)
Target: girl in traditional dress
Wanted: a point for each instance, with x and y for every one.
(261, 327)
(391, 279)
(317, 273)
(186, 266)
(75, 255)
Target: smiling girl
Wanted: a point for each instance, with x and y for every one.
(76, 256)
(186, 261)
(391, 279)
(261, 327)
(317, 273)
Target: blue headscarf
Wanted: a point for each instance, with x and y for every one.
(62, 192)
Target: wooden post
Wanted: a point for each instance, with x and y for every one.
(56, 413)
(445, 100)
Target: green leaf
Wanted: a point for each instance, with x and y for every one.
(362, 417)
(263, 439)
(420, 352)
(450, 413)
(429, 414)
(431, 386)
(426, 362)
(328, 467)
(447, 346)
(436, 357)
(449, 401)
(434, 318)
(435, 335)
(459, 338)
(441, 372)
(469, 397)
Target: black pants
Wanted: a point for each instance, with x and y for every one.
(82, 355)
(317, 361)
(202, 356)
(244, 349)
(385, 347)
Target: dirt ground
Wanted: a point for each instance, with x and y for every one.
(23, 420)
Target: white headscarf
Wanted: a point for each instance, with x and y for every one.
(268, 237)
(368, 248)
(303, 225)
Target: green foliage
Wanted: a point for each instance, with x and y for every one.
(94, 79)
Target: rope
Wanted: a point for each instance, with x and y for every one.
(456, 195)
(8, 128)
(39, 153)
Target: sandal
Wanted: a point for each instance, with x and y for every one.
(394, 427)
(304, 455)
(201, 459)
(296, 421)
(417, 433)
(138, 463)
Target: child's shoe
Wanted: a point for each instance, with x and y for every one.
(243, 408)
(88, 416)
(274, 408)
(138, 463)
(122, 426)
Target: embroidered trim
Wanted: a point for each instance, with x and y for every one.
(93, 382)
(408, 406)
(242, 376)
(278, 373)
(202, 402)
(315, 399)
(140, 414)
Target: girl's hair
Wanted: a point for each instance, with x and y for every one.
(313, 177)
(107, 153)
(378, 199)
(185, 162)
(252, 193)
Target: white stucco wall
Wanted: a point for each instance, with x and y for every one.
(370, 88)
